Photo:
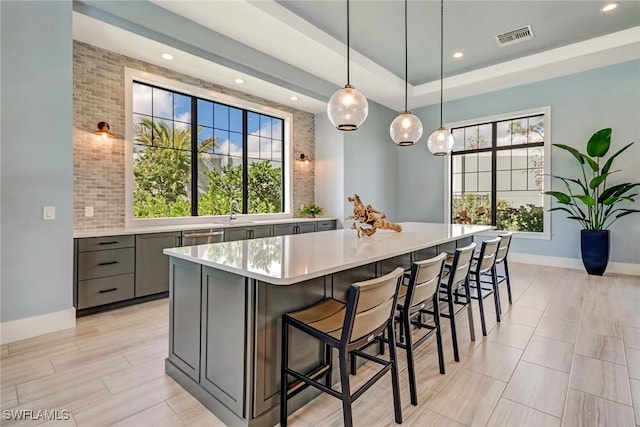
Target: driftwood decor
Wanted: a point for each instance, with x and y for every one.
(368, 215)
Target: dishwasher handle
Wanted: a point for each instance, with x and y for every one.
(211, 234)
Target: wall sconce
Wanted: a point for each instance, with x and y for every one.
(103, 130)
(304, 158)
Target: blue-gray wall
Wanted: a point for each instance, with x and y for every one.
(580, 104)
(370, 165)
(363, 162)
(36, 158)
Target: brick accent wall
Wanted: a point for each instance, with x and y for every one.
(98, 164)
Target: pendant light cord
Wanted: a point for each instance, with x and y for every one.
(441, 55)
(406, 57)
(348, 61)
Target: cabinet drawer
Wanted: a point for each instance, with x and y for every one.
(107, 242)
(96, 264)
(105, 290)
(326, 225)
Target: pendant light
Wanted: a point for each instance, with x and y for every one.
(348, 108)
(441, 141)
(405, 129)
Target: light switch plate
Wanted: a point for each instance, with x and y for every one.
(49, 213)
(88, 211)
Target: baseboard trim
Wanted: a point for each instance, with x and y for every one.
(573, 263)
(29, 327)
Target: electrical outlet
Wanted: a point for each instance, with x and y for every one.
(88, 211)
(49, 213)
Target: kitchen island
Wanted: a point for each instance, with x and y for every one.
(226, 301)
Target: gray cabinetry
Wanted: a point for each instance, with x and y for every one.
(184, 316)
(325, 225)
(104, 270)
(232, 234)
(223, 338)
(294, 228)
(152, 266)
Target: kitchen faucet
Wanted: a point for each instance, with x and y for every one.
(233, 209)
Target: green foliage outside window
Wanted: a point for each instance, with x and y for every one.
(475, 209)
(162, 177)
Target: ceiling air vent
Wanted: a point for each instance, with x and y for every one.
(515, 36)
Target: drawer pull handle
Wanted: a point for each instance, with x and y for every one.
(113, 242)
(108, 263)
(104, 291)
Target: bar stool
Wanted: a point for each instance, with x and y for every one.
(501, 258)
(456, 277)
(368, 313)
(413, 298)
(486, 265)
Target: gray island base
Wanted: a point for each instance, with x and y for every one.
(227, 299)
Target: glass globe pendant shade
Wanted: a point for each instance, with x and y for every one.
(348, 108)
(405, 129)
(440, 142)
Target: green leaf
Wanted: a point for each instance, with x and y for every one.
(599, 179)
(626, 212)
(587, 200)
(578, 155)
(611, 200)
(616, 190)
(609, 162)
(577, 181)
(560, 208)
(592, 163)
(599, 143)
(560, 196)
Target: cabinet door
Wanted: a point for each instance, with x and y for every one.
(222, 368)
(184, 316)
(306, 227)
(152, 266)
(284, 229)
(261, 231)
(235, 233)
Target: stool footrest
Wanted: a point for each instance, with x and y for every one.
(303, 381)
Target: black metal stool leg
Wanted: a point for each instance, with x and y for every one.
(284, 354)
(410, 365)
(496, 293)
(467, 292)
(454, 335)
(346, 390)
(395, 382)
(508, 280)
(482, 322)
(436, 320)
(328, 360)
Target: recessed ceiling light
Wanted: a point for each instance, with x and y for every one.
(610, 6)
(239, 80)
(167, 56)
(458, 54)
(294, 98)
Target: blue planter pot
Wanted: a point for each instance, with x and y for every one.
(595, 250)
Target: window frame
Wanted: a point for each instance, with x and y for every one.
(546, 199)
(131, 76)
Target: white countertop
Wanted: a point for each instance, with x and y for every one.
(286, 260)
(240, 222)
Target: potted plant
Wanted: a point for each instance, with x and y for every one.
(594, 204)
(311, 210)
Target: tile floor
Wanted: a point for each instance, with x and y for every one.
(567, 352)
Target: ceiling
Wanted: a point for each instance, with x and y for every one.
(290, 47)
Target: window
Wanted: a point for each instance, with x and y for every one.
(194, 156)
(498, 173)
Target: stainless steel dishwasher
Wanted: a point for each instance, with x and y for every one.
(201, 237)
